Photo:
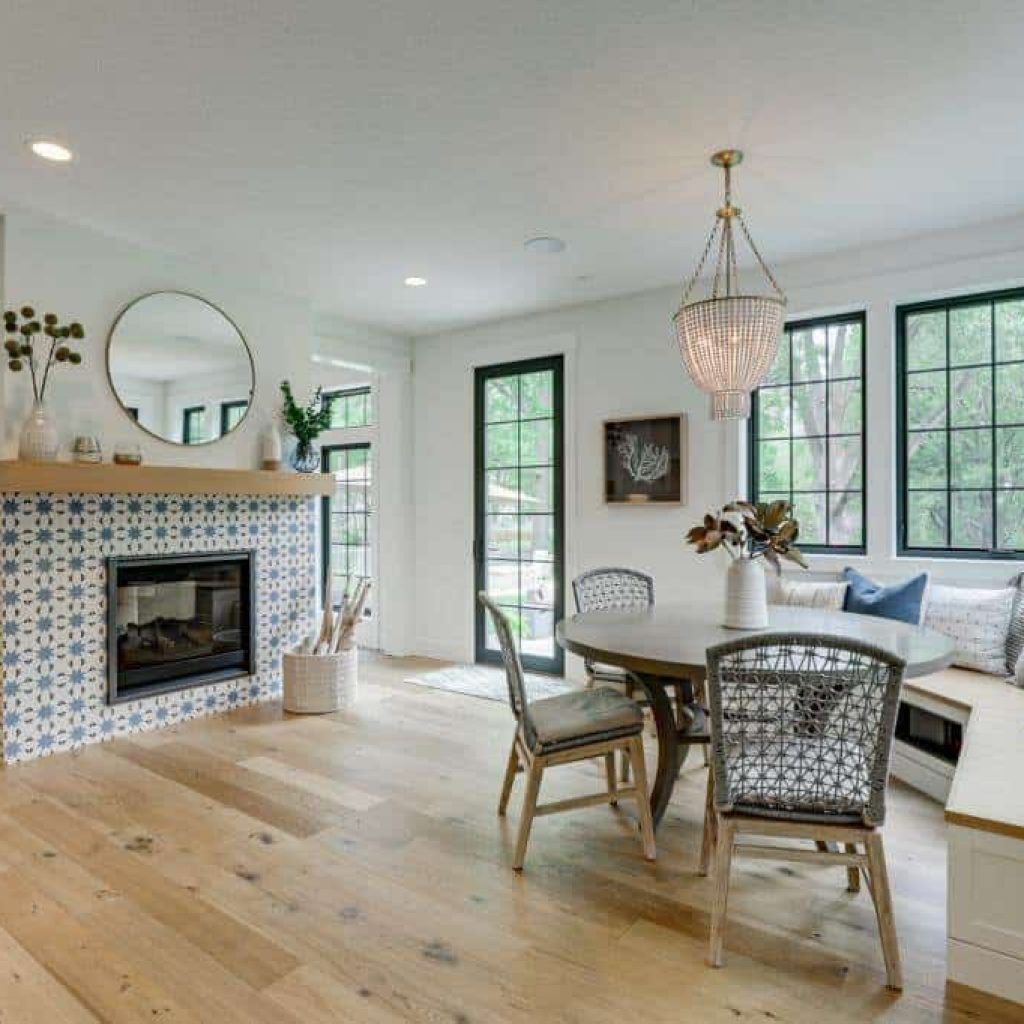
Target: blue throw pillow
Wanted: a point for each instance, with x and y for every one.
(901, 601)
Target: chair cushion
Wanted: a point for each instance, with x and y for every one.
(584, 716)
(799, 778)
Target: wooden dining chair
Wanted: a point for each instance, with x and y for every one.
(801, 737)
(613, 588)
(575, 726)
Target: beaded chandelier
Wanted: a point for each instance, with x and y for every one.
(728, 341)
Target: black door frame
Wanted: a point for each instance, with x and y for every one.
(326, 522)
(482, 374)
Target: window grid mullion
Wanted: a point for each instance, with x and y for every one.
(789, 443)
(828, 428)
(949, 440)
(994, 541)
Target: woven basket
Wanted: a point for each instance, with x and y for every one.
(317, 683)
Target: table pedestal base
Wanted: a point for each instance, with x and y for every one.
(674, 742)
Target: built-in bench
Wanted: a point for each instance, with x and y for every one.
(984, 800)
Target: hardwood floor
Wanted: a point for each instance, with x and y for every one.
(262, 868)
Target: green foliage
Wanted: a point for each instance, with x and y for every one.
(305, 423)
(22, 354)
(811, 398)
(965, 458)
(520, 428)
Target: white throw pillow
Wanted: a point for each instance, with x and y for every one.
(976, 620)
(805, 594)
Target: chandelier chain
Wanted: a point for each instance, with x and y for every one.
(758, 256)
(719, 263)
(700, 266)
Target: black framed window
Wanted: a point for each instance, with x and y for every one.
(807, 440)
(192, 424)
(347, 516)
(350, 407)
(231, 414)
(960, 416)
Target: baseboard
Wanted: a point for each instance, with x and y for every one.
(985, 970)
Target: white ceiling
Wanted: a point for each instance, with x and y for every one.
(334, 148)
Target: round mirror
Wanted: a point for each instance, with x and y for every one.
(180, 367)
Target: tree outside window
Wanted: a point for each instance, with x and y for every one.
(961, 426)
(807, 432)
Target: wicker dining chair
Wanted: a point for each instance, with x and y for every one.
(575, 726)
(617, 589)
(801, 737)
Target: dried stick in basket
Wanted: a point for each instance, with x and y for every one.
(351, 615)
(323, 640)
(339, 622)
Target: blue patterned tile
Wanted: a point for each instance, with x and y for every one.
(53, 551)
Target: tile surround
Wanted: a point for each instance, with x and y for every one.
(53, 551)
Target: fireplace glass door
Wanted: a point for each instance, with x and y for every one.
(178, 621)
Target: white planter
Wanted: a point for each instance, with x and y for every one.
(315, 684)
(746, 597)
(39, 439)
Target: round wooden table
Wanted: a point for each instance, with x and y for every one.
(666, 646)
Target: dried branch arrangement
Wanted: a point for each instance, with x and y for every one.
(337, 629)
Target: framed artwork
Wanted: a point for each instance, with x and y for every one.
(645, 460)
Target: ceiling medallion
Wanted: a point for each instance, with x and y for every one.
(729, 340)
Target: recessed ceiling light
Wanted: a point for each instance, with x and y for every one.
(50, 150)
(415, 282)
(545, 244)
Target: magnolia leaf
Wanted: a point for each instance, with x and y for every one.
(793, 555)
(775, 515)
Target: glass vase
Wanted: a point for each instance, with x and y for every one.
(305, 457)
(39, 440)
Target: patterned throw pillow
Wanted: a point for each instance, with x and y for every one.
(805, 594)
(1018, 673)
(976, 620)
(1015, 636)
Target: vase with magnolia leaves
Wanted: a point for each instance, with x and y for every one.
(28, 352)
(749, 533)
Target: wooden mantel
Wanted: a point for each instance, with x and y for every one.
(107, 478)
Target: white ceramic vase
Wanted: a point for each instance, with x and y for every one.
(270, 448)
(746, 597)
(39, 439)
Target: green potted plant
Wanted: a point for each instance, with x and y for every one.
(748, 533)
(305, 423)
(39, 439)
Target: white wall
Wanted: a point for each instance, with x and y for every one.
(82, 274)
(346, 354)
(622, 358)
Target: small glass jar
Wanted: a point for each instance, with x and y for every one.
(128, 455)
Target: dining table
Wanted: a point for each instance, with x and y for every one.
(664, 648)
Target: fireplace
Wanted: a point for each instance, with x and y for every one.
(178, 621)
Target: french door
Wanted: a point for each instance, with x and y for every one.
(348, 527)
(519, 519)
